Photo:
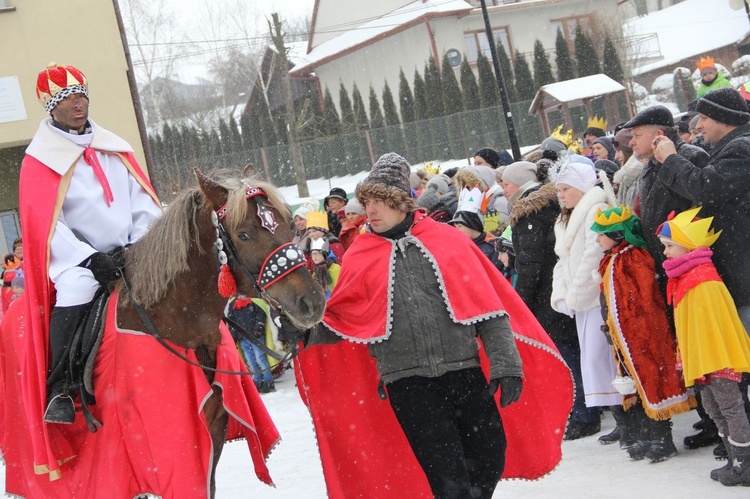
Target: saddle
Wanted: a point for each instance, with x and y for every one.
(86, 342)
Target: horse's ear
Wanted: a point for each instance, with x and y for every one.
(251, 172)
(214, 193)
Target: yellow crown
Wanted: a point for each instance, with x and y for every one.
(597, 122)
(706, 62)
(691, 233)
(317, 219)
(611, 216)
(566, 139)
(432, 169)
(576, 147)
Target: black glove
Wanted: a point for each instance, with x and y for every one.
(104, 268)
(510, 389)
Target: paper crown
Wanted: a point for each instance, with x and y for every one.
(576, 147)
(317, 219)
(612, 216)
(619, 219)
(53, 79)
(706, 63)
(597, 122)
(320, 244)
(432, 169)
(688, 231)
(566, 139)
(474, 201)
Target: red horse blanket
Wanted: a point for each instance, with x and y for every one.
(155, 437)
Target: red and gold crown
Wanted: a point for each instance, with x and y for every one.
(56, 82)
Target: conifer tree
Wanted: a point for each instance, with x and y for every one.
(405, 99)
(542, 68)
(508, 74)
(358, 106)
(565, 68)
(611, 61)
(248, 130)
(452, 103)
(587, 61)
(420, 98)
(389, 107)
(347, 112)
(235, 137)
(376, 115)
(205, 136)
(226, 138)
(215, 142)
(434, 89)
(487, 84)
(394, 137)
(524, 81)
(268, 131)
(330, 115)
(469, 87)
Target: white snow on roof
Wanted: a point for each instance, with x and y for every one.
(688, 29)
(378, 28)
(575, 90)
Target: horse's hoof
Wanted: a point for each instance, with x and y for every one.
(61, 410)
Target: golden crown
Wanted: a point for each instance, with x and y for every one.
(576, 147)
(690, 232)
(706, 62)
(612, 216)
(597, 122)
(566, 139)
(317, 219)
(432, 169)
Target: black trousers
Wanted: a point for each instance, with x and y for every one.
(455, 431)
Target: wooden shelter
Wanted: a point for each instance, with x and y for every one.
(564, 95)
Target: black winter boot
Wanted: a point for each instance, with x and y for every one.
(724, 470)
(720, 452)
(662, 445)
(739, 473)
(629, 428)
(709, 435)
(614, 435)
(643, 440)
(576, 430)
(63, 324)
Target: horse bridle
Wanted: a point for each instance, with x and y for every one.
(277, 265)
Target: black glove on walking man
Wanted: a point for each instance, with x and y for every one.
(510, 389)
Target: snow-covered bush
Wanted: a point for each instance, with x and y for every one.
(663, 88)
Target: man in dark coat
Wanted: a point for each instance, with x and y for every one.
(656, 199)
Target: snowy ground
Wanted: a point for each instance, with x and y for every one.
(588, 469)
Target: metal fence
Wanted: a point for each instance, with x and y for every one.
(449, 137)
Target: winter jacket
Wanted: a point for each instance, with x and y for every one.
(251, 317)
(723, 188)
(573, 284)
(719, 82)
(486, 243)
(425, 341)
(657, 201)
(349, 232)
(628, 178)
(532, 219)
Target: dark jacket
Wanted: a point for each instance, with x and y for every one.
(251, 317)
(532, 218)
(723, 189)
(657, 200)
(485, 243)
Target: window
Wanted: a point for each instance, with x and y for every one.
(5, 6)
(568, 26)
(476, 42)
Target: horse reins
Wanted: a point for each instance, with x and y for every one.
(278, 264)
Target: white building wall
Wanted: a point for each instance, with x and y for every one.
(333, 17)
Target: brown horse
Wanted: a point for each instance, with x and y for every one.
(172, 272)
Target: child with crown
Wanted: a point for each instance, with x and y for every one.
(714, 347)
(637, 326)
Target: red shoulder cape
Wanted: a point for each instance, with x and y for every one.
(363, 449)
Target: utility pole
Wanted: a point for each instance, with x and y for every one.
(277, 36)
(501, 86)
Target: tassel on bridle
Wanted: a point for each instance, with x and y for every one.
(227, 284)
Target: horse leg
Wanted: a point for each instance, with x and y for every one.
(217, 419)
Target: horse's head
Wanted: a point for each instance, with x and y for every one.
(256, 234)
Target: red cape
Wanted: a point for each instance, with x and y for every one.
(363, 449)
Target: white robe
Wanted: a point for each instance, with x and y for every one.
(85, 211)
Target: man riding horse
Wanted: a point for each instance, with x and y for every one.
(83, 198)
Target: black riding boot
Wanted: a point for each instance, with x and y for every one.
(62, 330)
(662, 445)
(629, 427)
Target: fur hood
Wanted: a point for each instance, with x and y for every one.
(536, 201)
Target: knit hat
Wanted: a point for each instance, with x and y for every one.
(607, 166)
(305, 208)
(577, 174)
(622, 140)
(489, 155)
(619, 222)
(724, 105)
(415, 181)
(607, 144)
(505, 158)
(388, 180)
(520, 173)
(58, 82)
(440, 183)
(336, 192)
(354, 206)
(654, 115)
(553, 144)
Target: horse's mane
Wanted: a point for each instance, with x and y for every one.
(153, 262)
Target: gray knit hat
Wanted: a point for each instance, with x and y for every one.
(388, 180)
(520, 173)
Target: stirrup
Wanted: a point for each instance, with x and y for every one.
(60, 410)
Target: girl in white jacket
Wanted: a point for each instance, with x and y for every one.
(575, 291)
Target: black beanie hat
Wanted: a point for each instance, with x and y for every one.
(724, 105)
(470, 219)
(489, 155)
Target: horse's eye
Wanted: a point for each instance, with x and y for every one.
(243, 236)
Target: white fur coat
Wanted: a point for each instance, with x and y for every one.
(573, 284)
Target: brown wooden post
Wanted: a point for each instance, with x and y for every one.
(369, 147)
(265, 164)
